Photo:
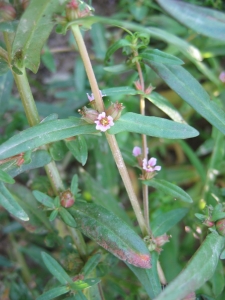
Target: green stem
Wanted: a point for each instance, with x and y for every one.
(79, 242)
(111, 138)
(144, 145)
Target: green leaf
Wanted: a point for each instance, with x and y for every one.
(121, 68)
(119, 91)
(206, 21)
(53, 215)
(48, 60)
(167, 107)
(38, 222)
(9, 26)
(58, 150)
(53, 293)
(152, 126)
(42, 134)
(67, 218)
(196, 162)
(6, 83)
(93, 186)
(111, 233)
(188, 88)
(114, 47)
(44, 199)
(4, 177)
(74, 185)
(39, 158)
(55, 269)
(32, 32)
(165, 221)
(78, 148)
(169, 188)
(160, 57)
(4, 66)
(149, 277)
(218, 280)
(199, 269)
(10, 204)
(83, 284)
(79, 296)
(91, 264)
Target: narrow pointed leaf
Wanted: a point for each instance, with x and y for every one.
(149, 278)
(160, 57)
(167, 107)
(91, 264)
(78, 147)
(188, 88)
(199, 269)
(119, 91)
(165, 221)
(44, 199)
(153, 126)
(38, 159)
(42, 134)
(206, 21)
(169, 188)
(56, 269)
(83, 284)
(32, 32)
(38, 222)
(117, 45)
(67, 218)
(111, 233)
(53, 293)
(10, 204)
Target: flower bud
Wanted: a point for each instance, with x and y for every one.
(114, 110)
(67, 199)
(208, 223)
(7, 12)
(161, 240)
(89, 115)
(220, 227)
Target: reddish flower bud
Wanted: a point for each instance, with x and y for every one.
(138, 85)
(89, 115)
(220, 227)
(161, 240)
(208, 223)
(7, 12)
(114, 110)
(67, 199)
(149, 89)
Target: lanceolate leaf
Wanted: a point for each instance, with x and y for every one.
(116, 46)
(33, 30)
(67, 218)
(149, 277)
(53, 293)
(167, 107)
(55, 269)
(4, 177)
(10, 204)
(199, 269)
(160, 57)
(39, 158)
(188, 88)
(119, 91)
(165, 221)
(153, 126)
(207, 21)
(44, 133)
(111, 233)
(169, 188)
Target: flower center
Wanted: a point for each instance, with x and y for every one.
(104, 121)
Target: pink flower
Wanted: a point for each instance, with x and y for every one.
(104, 122)
(136, 151)
(222, 76)
(150, 166)
(91, 97)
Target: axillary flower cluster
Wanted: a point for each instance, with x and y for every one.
(103, 120)
(148, 166)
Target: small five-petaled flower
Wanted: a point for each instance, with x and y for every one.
(104, 122)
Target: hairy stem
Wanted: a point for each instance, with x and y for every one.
(111, 138)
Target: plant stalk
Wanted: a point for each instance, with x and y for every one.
(111, 138)
(144, 146)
